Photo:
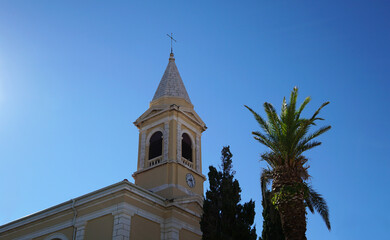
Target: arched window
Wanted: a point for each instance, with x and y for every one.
(56, 236)
(155, 145)
(186, 147)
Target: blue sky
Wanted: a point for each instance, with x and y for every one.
(75, 75)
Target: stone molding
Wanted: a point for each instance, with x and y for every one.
(109, 190)
(180, 187)
(163, 120)
(122, 219)
(171, 161)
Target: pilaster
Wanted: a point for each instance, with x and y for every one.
(197, 153)
(166, 141)
(178, 142)
(80, 231)
(122, 223)
(172, 234)
(143, 149)
(170, 230)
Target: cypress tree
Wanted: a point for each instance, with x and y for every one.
(223, 216)
(272, 226)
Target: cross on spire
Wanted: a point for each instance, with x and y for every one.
(172, 39)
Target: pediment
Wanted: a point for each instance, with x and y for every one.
(151, 112)
(191, 114)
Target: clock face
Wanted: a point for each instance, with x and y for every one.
(190, 180)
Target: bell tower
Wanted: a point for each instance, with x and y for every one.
(169, 153)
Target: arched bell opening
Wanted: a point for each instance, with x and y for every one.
(186, 147)
(155, 145)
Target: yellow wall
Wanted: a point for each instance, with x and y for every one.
(100, 228)
(187, 235)
(144, 229)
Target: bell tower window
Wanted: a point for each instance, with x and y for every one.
(155, 145)
(186, 147)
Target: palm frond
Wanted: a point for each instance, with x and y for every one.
(291, 108)
(315, 134)
(267, 139)
(263, 124)
(284, 106)
(307, 146)
(301, 167)
(319, 204)
(271, 159)
(273, 119)
(265, 179)
(293, 100)
(309, 204)
(318, 111)
(303, 105)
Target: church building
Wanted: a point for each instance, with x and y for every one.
(164, 202)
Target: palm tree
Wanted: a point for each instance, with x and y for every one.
(287, 136)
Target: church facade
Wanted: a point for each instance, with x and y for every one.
(164, 202)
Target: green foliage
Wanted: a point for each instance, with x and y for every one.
(272, 226)
(315, 201)
(223, 216)
(288, 191)
(287, 137)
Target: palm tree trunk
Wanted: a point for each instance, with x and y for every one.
(287, 185)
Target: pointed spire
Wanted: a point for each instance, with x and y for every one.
(171, 84)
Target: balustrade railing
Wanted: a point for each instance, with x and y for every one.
(154, 161)
(187, 163)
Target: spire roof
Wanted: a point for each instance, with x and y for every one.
(171, 84)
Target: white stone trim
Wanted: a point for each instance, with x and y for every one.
(148, 114)
(80, 231)
(170, 233)
(166, 141)
(178, 142)
(170, 161)
(171, 227)
(123, 210)
(157, 129)
(180, 187)
(143, 150)
(56, 235)
(122, 225)
(197, 153)
(114, 209)
(190, 134)
(182, 121)
(163, 120)
(45, 231)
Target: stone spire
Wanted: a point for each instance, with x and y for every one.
(171, 84)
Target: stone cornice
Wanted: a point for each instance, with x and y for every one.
(95, 195)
